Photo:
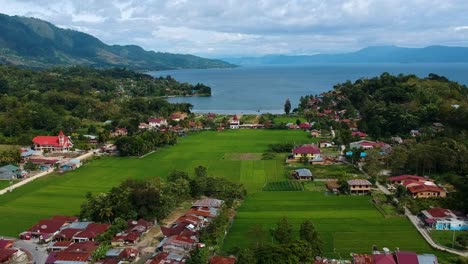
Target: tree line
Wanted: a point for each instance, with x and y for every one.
(155, 198)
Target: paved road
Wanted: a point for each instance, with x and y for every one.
(39, 256)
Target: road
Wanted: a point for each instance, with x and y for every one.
(39, 256)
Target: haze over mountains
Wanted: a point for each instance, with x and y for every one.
(35, 43)
(378, 54)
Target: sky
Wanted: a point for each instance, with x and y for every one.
(232, 28)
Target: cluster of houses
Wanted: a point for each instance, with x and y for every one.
(182, 236)
(397, 257)
(9, 253)
(444, 219)
(11, 172)
(72, 241)
(418, 187)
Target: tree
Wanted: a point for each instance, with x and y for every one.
(401, 191)
(198, 256)
(257, 233)
(287, 106)
(200, 171)
(311, 236)
(283, 232)
(246, 256)
(29, 166)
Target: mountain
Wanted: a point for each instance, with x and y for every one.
(379, 54)
(35, 43)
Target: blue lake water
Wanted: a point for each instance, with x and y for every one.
(265, 88)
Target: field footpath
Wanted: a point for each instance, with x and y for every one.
(42, 174)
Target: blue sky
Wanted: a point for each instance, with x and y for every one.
(220, 28)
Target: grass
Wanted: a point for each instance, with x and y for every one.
(63, 194)
(6, 183)
(315, 186)
(346, 223)
(445, 238)
(4, 147)
(288, 119)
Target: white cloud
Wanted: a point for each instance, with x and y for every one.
(253, 27)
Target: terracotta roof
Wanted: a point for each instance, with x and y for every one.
(306, 149)
(72, 256)
(6, 243)
(359, 182)
(92, 230)
(235, 118)
(384, 259)
(359, 134)
(5, 254)
(87, 246)
(65, 217)
(304, 125)
(405, 177)
(407, 257)
(68, 233)
(425, 188)
(47, 226)
(362, 259)
(156, 120)
(64, 244)
(222, 260)
(439, 212)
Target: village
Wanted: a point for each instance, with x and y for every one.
(68, 239)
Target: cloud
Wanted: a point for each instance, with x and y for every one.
(255, 27)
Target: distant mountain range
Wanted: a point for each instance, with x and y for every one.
(379, 54)
(35, 43)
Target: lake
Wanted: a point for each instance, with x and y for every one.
(253, 89)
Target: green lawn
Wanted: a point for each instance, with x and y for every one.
(63, 194)
(336, 171)
(345, 223)
(6, 183)
(445, 238)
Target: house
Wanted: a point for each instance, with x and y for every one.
(90, 232)
(325, 144)
(305, 126)
(76, 253)
(302, 174)
(402, 178)
(60, 143)
(234, 122)
(8, 255)
(406, 257)
(119, 131)
(426, 190)
(157, 122)
(143, 126)
(315, 133)
(358, 134)
(208, 202)
(444, 219)
(177, 116)
(359, 186)
(67, 233)
(58, 245)
(6, 243)
(365, 144)
(9, 172)
(45, 229)
(222, 260)
(306, 151)
(415, 133)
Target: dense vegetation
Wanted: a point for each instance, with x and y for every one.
(389, 106)
(36, 43)
(154, 198)
(43, 102)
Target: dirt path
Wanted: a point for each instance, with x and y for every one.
(148, 242)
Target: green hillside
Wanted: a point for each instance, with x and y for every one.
(35, 43)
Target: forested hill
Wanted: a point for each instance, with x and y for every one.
(36, 43)
(44, 102)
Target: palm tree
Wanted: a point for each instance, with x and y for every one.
(106, 212)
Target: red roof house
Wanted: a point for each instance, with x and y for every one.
(45, 229)
(306, 151)
(91, 232)
(425, 190)
(401, 178)
(407, 257)
(358, 134)
(6, 243)
(53, 143)
(7, 254)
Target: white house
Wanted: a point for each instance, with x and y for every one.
(234, 123)
(157, 122)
